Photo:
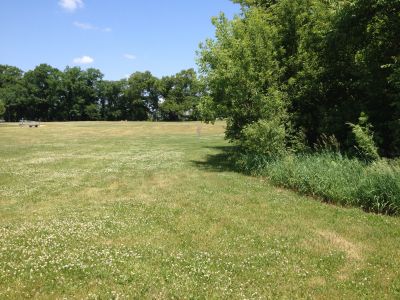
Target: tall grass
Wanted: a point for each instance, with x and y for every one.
(333, 177)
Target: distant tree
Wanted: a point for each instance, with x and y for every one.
(2, 108)
(180, 95)
(142, 96)
(93, 78)
(12, 92)
(74, 94)
(113, 104)
(9, 75)
(92, 112)
(80, 97)
(43, 92)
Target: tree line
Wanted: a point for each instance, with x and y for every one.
(48, 94)
(290, 74)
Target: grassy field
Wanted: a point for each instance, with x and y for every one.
(152, 210)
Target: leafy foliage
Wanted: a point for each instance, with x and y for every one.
(265, 137)
(316, 64)
(292, 75)
(180, 94)
(241, 71)
(12, 91)
(2, 108)
(49, 94)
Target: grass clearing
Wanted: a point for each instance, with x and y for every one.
(151, 210)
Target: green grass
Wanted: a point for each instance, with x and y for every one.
(151, 210)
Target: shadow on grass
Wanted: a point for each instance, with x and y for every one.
(221, 161)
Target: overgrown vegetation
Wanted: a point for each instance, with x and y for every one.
(315, 65)
(332, 177)
(290, 75)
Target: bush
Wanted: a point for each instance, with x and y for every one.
(264, 138)
(250, 163)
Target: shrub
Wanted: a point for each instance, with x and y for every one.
(250, 162)
(264, 138)
(365, 139)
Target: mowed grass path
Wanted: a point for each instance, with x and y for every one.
(152, 210)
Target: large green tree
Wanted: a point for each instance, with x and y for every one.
(242, 71)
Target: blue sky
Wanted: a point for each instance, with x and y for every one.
(118, 37)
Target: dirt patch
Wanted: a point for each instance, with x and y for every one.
(352, 250)
(317, 282)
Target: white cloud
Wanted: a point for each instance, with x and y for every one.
(88, 26)
(130, 56)
(71, 5)
(85, 26)
(84, 60)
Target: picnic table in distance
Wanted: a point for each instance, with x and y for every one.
(31, 124)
